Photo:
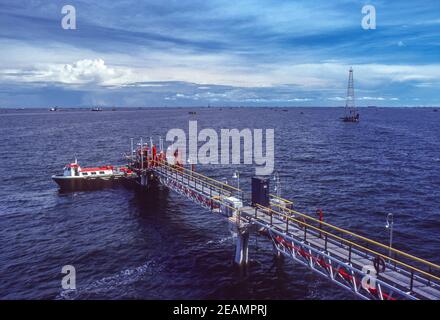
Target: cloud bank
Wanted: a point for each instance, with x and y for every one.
(218, 52)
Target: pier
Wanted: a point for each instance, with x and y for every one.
(369, 269)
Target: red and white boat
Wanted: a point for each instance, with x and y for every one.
(75, 177)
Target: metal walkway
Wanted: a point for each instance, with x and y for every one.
(353, 262)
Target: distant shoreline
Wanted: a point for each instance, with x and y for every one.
(60, 109)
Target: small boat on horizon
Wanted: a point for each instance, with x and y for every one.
(97, 109)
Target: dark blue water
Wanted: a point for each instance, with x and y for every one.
(128, 244)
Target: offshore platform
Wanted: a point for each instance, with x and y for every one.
(351, 113)
(371, 270)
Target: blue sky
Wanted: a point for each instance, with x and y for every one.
(219, 53)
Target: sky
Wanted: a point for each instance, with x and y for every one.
(218, 53)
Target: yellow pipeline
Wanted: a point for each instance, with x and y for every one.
(282, 199)
(321, 222)
(364, 238)
(357, 245)
(201, 175)
(198, 179)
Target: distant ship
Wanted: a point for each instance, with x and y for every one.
(351, 114)
(53, 109)
(97, 109)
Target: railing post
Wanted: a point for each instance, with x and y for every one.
(256, 210)
(287, 225)
(412, 281)
(238, 218)
(271, 218)
(349, 254)
(305, 232)
(325, 244)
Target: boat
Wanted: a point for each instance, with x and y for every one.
(75, 177)
(351, 118)
(53, 109)
(351, 114)
(97, 109)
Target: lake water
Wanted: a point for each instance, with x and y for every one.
(130, 244)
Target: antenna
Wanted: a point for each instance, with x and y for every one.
(277, 184)
(142, 155)
(161, 144)
(131, 153)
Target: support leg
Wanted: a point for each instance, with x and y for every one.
(242, 248)
(144, 180)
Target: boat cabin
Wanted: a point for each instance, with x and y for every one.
(74, 170)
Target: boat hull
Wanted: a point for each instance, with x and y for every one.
(350, 119)
(91, 183)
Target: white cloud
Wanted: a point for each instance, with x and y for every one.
(300, 99)
(424, 85)
(221, 70)
(88, 71)
(82, 72)
(366, 98)
(372, 98)
(336, 99)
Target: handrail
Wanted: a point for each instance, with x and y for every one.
(282, 199)
(199, 174)
(407, 255)
(197, 179)
(226, 205)
(218, 188)
(322, 223)
(353, 243)
(219, 200)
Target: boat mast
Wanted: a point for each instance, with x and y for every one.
(142, 155)
(131, 151)
(349, 103)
